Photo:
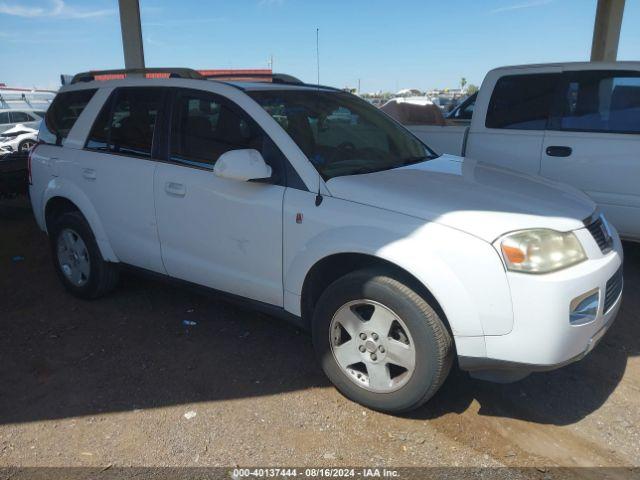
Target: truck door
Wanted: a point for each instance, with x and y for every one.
(512, 131)
(593, 142)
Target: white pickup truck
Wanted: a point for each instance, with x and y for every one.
(577, 123)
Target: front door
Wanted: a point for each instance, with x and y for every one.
(220, 233)
(594, 142)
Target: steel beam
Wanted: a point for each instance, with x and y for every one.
(606, 30)
(131, 33)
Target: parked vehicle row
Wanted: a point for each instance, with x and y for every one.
(577, 123)
(314, 205)
(10, 118)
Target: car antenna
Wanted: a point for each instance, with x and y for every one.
(318, 55)
(318, 195)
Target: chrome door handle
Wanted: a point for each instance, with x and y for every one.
(89, 173)
(175, 189)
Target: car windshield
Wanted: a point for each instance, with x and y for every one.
(340, 133)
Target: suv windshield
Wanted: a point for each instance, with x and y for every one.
(340, 133)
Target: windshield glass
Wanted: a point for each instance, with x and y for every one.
(340, 133)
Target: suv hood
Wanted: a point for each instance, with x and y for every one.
(481, 199)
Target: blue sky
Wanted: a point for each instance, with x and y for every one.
(388, 45)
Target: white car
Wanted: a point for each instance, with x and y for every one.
(397, 260)
(577, 123)
(18, 139)
(10, 117)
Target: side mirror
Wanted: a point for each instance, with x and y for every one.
(242, 165)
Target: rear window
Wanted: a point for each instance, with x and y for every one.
(522, 102)
(62, 115)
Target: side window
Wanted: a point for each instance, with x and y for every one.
(522, 102)
(62, 115)
(126, 122)
(205, 126)
(20, 117)
(601, 101)
(4, 117)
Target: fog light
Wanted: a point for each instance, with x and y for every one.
(584, 309)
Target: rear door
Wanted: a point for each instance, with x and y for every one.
(220, 233)
(115, 170)
(593, 142)
(512, 132)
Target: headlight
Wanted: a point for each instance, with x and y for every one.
(541, 250)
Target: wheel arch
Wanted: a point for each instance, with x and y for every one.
(61, 197)
(330, 268)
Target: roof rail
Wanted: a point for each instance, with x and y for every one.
(255, 76)
(148, 72)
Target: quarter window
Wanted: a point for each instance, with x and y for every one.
(522, 102)
(127, 121)
(62, 115)
(601, 101)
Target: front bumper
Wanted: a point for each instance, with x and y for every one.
(542, 337)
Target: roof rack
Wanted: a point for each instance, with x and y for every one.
(147, 72)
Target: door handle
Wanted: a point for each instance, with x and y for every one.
(175, 189)
(557, 151)
(89, 173)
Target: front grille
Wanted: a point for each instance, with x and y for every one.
(601, 234)
(614, 289)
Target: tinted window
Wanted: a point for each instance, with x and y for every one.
(340, 133)
(4, 117)
(126, 123)
(521, 102)
(62, 115)
(205, 126)
(20, 117)
(601, 102)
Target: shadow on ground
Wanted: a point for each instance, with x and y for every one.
(62, 357)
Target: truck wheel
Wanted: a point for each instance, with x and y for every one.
(380, 343)
(77, 258)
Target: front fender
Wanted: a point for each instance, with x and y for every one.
(58, 187)
(463, 273)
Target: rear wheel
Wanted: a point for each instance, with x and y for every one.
(381, 343)
(77, 258)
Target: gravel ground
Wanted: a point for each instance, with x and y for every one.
(121, 381)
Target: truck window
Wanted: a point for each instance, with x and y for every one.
(522, 102)
(601, 101)
(62, 115)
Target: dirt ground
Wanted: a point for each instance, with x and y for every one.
(121, 381)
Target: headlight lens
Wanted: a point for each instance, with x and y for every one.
(541, 250)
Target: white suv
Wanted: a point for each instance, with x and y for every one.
(316, 206)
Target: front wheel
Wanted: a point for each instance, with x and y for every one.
(25, 145)
(380, 343)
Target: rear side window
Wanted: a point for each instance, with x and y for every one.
(4, 117)
(601, 101)
(127, 121)
(522, 102)
(62, 115)
(20, 117)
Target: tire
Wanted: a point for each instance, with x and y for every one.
(95, 281)
(23, 146)
(387, 298)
